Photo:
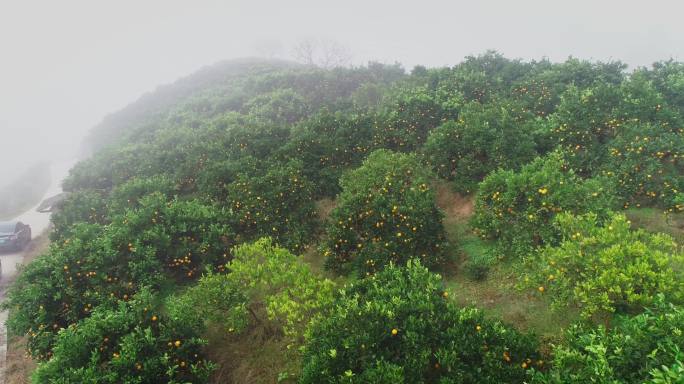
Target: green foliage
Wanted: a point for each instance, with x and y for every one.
(517, 208)
(540, 90)
(98, 265)
(607, 268)
(129, 194)
(276, 203)
(634, 350)
(647, 162)
(261, 275)
(484, 138)
(283, 106)
(329, 144)
(214, 299)
(241, 150)
(409, 114)
(79, 207)
(130, 343)
(292, 294)
(478, 265)
(673, 374)
(588, 119)
(385, 213)
(243, 136)
(668, 78)
(398, 326)
(485, 77)
(180, 237)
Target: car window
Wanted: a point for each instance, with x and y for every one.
(7, 227)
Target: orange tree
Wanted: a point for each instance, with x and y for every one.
(647, 163)
(386, 213)
(85, 206)
(282, 106)
(275, 201)
(266, 285)
(516, 209)
(668, 78)
(408, 115)
(132, 342)
(484, 138)
(129, 194)
(540, 89)
(161, 241)
(329, 144)
(608, 268)
(399, 326)
(645, 348)
(587, 120)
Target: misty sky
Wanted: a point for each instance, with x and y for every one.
(65, 64)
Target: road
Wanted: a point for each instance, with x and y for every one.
(39, 223)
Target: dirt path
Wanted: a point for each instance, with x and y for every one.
(455, 206)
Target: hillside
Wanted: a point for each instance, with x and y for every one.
(499, 221)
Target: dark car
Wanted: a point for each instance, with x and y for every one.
(14, 235)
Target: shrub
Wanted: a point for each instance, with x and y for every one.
(386, 213)
(128, 195)
(282, 106)
(183, 237)
(277, 203)
(214, 299)
(261, 275)
(398, 326)
(673, 374)
(99, 265)
(276, 278)
(517, 208)
(131, 343)
(409, 114)
(647, 162)
(484, 138)
(477, 266)
(79, 207)
(329, 144)
(587, 120)
(633, 350)
(607, 268)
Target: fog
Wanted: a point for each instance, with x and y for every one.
(65, 64)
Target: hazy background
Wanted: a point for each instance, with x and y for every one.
(65, 64)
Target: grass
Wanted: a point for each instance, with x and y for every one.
(497, 293)
(19, 364)
(654, 220)
(258, 355)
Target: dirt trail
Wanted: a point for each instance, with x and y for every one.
(455, 206)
